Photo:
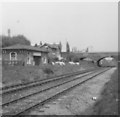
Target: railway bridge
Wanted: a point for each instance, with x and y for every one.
(95, 56)
(101, 55)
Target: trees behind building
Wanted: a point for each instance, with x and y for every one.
(41, 43)
(35, 45)
(60, 46)
(73, 57)
(67, 47)
(9, 41)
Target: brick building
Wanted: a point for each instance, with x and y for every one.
(27, 55)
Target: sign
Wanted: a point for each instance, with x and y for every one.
(36, 54)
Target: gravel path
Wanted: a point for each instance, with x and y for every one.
(80, 100)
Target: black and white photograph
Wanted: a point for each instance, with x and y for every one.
(59, 57)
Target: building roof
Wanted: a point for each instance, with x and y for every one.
(25, 47)
(55, 46)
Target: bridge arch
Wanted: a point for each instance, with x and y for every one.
(98, 61)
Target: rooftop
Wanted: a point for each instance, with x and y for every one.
(25, 47)
(55, 46)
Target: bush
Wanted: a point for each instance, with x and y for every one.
(73, 57)
(52, 58)
(76, 59)
(48, 70)
(70, 57)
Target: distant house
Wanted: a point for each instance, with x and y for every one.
(27, 55)
(53, 49)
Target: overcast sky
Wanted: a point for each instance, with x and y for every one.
(82, 24)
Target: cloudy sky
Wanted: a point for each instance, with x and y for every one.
(82, 24)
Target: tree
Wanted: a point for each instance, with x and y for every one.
(60, 46)
(19, 39)
(40, 43)
(52, 58)
(87, 50)
(67, 47)
(76, 59)
(36, 45)
(5, 41)
(69, 57)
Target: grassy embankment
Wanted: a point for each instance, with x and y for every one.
(108, 105)
(18, 74)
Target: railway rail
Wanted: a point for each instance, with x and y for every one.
(34, 90)
(18, 87)
(13, 94)
(27, 102)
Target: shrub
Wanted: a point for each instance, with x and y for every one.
(48, 70)
(69, 57)
(52, 58)
(73, 57)
(76, 59)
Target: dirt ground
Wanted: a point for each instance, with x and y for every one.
(81, 100)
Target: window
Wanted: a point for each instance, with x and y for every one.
(28, 60)
(44, 60)
(13, 56)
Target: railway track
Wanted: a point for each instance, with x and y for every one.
(13, 94)
(19, 93)
(27, 102)
(18, 87)
(13, 97)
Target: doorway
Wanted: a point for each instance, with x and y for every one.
(37, 60)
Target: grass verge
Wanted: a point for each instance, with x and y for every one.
(108, 104)
(20, 74)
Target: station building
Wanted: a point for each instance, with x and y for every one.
(25, 55)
